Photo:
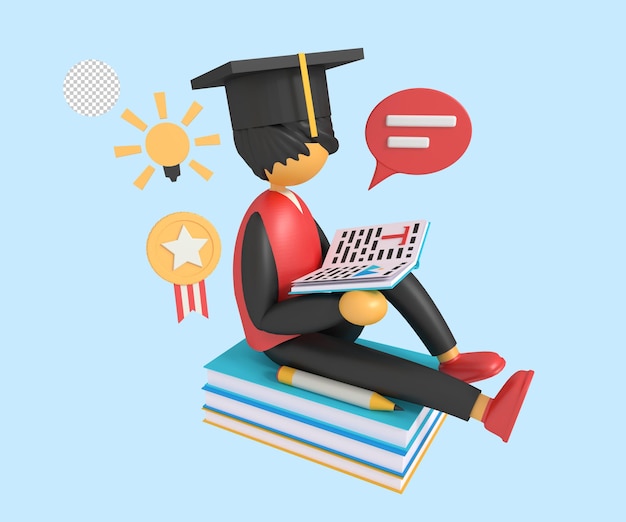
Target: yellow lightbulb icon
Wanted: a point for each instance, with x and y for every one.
(167, 144)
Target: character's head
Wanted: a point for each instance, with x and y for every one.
(275, 149)
(280, 111)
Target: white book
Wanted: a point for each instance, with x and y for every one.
(371, 451)
(393, 481)
(367, 258)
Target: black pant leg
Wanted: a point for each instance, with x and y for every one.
(414, 304)
(371, 369)
(345, 330)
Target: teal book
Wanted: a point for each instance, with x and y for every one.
(242, 381)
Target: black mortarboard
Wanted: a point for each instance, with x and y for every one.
(282, 89)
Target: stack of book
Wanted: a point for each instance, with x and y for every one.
(243, 395)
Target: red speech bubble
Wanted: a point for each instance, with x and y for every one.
(417, 131)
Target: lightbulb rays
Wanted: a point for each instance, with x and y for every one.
(144, 177)
(134, 120)
(126, 150)
(159, 98)
(213, 139)
(201, 169)
(169, 138)
(192, 112)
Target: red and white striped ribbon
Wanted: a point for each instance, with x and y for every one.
(191, 298)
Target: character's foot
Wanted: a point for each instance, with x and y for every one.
(502, 411)
(473, 366)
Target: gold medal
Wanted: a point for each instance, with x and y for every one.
(184, 248)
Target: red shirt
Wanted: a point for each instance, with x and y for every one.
(295, 245)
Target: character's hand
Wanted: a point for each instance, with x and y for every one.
(363, 307)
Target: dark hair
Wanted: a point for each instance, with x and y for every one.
(262, 147)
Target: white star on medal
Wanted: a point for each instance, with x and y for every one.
(186, 249)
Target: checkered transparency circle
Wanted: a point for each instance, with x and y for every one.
(91, 88)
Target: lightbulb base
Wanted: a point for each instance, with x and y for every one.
(172, 172)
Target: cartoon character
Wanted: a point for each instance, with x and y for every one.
(280, 114)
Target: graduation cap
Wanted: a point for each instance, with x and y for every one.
(281, 89)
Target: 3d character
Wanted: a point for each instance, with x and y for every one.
(280, 114)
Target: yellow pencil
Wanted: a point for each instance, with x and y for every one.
(335, 389)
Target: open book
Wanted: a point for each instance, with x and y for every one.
(367, 258)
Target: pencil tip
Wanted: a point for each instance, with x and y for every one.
(397, 408)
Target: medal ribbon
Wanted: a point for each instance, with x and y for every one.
(190, 298)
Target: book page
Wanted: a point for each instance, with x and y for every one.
(369, 254)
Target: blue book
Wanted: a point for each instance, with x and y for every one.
(244, 380)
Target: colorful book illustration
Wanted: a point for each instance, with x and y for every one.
(367, 258)
(243, 395)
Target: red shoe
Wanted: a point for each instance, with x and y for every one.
(502, 411)
(473, 366)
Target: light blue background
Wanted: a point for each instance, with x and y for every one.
(101, 388)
